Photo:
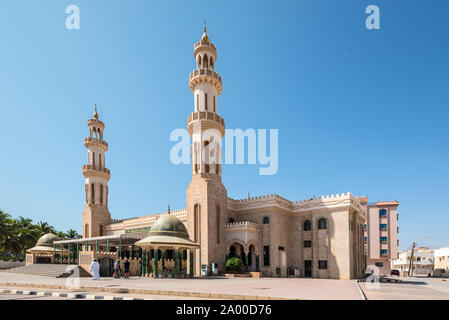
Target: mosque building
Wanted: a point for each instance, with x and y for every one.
(275, 237)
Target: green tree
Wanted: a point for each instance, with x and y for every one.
(72, 234)
(234, 264)
(19, 235)
(45, 228)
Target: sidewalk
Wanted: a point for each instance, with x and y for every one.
(232, 288)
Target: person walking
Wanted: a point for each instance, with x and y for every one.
(95, 268)
(117, 269)
(126, 268)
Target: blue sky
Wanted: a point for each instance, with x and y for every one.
(357, 110)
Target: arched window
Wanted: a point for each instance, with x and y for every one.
(218, 224)
(206, 61)
(86, 230)
(199, 60)
(322, 223)
(101, 194)
(196, 223)
(92, 193)
(205, 101)
(382, 212)
(307, 225)
(215, 104)
(101, 230)
(211, 62)
(266, 220)
(206, 165)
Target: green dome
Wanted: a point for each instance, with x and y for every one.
(169, 225)
(47, 240)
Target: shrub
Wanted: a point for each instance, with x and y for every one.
(234, 264)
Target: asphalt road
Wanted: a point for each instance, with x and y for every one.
(415, 288)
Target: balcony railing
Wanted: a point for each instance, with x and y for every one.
(204, 115)
(205, 72)
(250, 226)
(204, 43)
(95, 140)
(89, 167)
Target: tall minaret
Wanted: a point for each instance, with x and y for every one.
(206, 194)
(96, 214)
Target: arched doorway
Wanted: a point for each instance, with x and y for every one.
(106, 267)
(232, 251)
(252, 258)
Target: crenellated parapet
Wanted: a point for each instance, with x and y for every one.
(242, 226)
(144, 222)
(316, 204)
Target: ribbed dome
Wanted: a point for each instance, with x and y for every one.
(47, 240)
(169, 225)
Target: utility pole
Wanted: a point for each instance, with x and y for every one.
(411, 259)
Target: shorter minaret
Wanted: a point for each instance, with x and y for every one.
(96, 214)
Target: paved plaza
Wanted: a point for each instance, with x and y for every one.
(218, 288)
(232, 288)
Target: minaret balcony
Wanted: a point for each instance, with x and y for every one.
(205, 75)
(208, 120)
(204, 46)
(93, 170)
(204, 43)
(95, 142)
(95, 122)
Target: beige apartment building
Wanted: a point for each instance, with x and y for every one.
(320, 237)
(422, 264)
(441, 267)
(381, 234)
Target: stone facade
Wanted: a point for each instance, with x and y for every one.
(320, 237)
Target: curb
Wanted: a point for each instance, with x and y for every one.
(362, 294)
(216, 296)
(66, 295)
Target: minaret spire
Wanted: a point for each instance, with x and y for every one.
(96, 214)
(95, 113)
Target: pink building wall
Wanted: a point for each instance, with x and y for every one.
(373, 233)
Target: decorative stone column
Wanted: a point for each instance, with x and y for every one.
(257, 263)
(191, 263)
(162, 260)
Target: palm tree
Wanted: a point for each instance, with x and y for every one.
(72, 234)
(5, 232)
(61, 235)
(44, 228)
(4, 218)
